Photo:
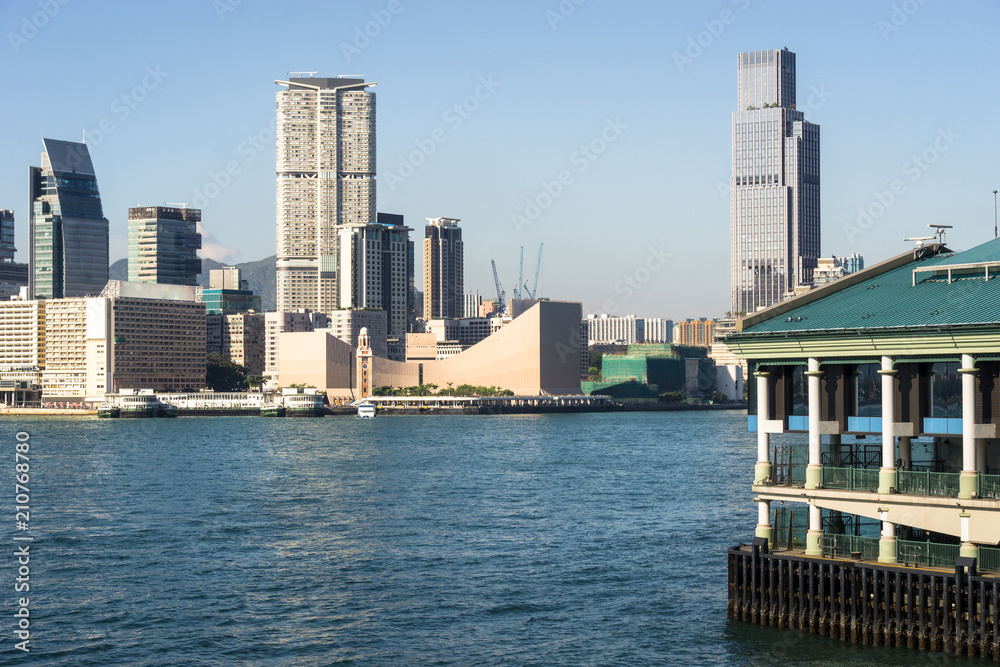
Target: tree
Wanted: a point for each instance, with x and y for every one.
(255, 381)
(223, 374)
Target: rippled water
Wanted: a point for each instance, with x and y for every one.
(542, 539)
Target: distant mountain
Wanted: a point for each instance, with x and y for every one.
(261, 275)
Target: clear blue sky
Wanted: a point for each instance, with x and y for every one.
(650, 86)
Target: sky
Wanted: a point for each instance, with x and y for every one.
(601, 129)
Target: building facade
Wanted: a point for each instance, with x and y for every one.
(698, 333)
(346, 325)
(291, 322)
(775, 204)
(68, 230)
(619, 329)
(889, 377)
(658, 330)
(163, 244)
(374, 275)
(228, 293)
(471, 302)
(444, 269)
(325, 147)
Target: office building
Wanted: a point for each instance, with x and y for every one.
(227, 293)
(239, 337)
(13, 275)
(471, 301)
(775, 205)
(374, 263)
(7, 248)
(163, 244)
(325, 168)
(443, 269)
(68, 230)
(412, 306)
(347, 325)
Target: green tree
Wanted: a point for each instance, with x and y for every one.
(223, 374)
(255, 382)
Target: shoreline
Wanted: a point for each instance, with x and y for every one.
(349, 411)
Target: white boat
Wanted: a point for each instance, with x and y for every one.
(366, 411)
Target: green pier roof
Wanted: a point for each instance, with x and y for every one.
(911, 290)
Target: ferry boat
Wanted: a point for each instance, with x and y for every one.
(272, 410)
(140, 405)
(367, 411)
(303, 402)
(109, 411)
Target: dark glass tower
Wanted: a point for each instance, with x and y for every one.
(69, 233)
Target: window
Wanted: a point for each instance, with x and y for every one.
(865, 388)
(799, 394)
(944, 390)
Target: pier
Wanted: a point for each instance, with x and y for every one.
(938, 609)
(490, 404)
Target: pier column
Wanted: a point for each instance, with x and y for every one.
(906, 452)
(887, 542)
(814, 468)
(815, 531)
(764, 527)
(968, 483)
(887, 475)
(968, 549)
(762, 470)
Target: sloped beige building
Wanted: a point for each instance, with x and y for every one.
(538, 353)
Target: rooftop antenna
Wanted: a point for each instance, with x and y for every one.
(920, 240)
(939, 231)
(301, 75)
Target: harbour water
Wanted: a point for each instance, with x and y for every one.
(532, 539)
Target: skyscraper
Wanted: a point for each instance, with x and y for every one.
(7, 248)
(774, 211)
(325, 166)
(373, 261)
(163, 245)
(443, 269)
(68, 230)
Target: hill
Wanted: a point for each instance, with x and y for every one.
(261, 276)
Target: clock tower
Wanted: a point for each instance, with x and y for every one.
(366, 367)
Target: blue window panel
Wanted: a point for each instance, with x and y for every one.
(859, 424)
(798, 423)
(752, 423)
(875, 424)
(943, 425)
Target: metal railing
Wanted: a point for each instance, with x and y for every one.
(927, 483)
(851, 479)
(845, 545)
(989, 486)
(927, 554)
(989, 559)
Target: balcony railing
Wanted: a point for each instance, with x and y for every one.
(926, 554)
(989, 486)
(843, 546)
(919, 483)
(989, 559)
(851, 479)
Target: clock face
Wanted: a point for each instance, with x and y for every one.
(364, 366)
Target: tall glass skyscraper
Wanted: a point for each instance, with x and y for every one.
(68, 230)
(325, 145)
(774, 210)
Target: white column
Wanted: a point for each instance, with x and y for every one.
(762, 470)
(887, 543)
(968, 549)
(815, 532)
(814, 468)
(764, 527)
(969, 480)
(887, 475)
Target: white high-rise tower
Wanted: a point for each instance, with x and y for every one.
(325, 166)
(774, 211)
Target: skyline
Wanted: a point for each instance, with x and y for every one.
(472, 129)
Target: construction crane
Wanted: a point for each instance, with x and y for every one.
(533, 293)
(520, 276)
(500, 293)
